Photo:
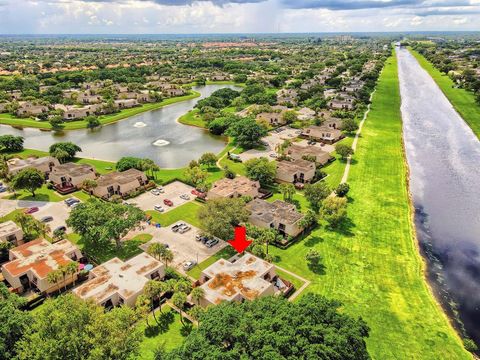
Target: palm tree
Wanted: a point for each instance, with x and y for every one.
(287, 190)
(72, 268)
(156, 250)
(179, 299)
(197, 294)
(167, 256)
(153, 290)
(54, 277)
(142, 306)
(64, 271)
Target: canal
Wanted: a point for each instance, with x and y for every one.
(153, 134)
(444, 159)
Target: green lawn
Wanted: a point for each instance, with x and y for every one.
(170, 333)
(372, 263)
(192, 118)
(462, 100)
(225, 253)
(186, 212)
(8, 119)
(42, 194)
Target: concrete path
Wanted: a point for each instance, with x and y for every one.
(355, 141)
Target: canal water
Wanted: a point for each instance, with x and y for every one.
(444, 159)
(154, 134)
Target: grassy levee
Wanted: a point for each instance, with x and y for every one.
(462, 100)
(372, 263)
(8, 119)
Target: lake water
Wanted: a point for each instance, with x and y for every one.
(444, 159)
(154, 134)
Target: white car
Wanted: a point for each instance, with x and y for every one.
(155, 192)
(160, 189)
(187, 265)
(158, 208)
(185, 197)
(183, 229)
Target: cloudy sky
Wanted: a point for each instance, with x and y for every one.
(233, 16)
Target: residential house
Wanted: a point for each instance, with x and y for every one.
(220, 77)
(287, 97)
(43, 164)
(26, 108)
(30, 264)
(234, 188)
(119, 183)
(271, 118)
(340, 105)
(278, 215)
(86, 98)
(118, 282)
(174, 92)
(3, 107)
(248, 278)
(329, 93)
(296, 171)
(298, 152)
(70, 176)
(11, 232)
(325, 134)
(305, 114)
(74, 112)
(15, 95)
(126, 103)
(146, 96)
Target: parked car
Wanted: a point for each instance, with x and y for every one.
(211, 243)
(46, 219)
(160, 189)
(3, 189)
(168, 202)
(155, 192)
(158, 208)
(185, 197)
(177, 226)
(202, 238)
(196, 192)
(60, 228)
(71, 201)
(273, 155)
(187, 265)
(183, 229)
(31, 210)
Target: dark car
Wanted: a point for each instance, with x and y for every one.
(46, 219)
(60, 228)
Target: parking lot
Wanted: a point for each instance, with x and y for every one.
(58, 210)
(147, 200)
(275, 138)
(184, 246)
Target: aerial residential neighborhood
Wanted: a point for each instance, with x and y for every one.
(213, 185)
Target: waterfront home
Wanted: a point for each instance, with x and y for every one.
(340, 105)
(70, 112)
(86, 97)
(326, 134)
(174, 92)
(233, 188)
(119, 183)
(30, 264)
(248, 278)
(118, 282)
(11, 233)
(69, 176)
(3, 107)
(295, 171)
(44, 164)
(220, 77)
(126, 103)
(297, 152)
(27, 108)
(278, 215)
(145, 96)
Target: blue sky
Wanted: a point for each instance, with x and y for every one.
(233, 16)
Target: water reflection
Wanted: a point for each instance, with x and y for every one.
(154, 134)
(444, 159)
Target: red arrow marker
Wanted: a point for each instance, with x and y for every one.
(240, 242)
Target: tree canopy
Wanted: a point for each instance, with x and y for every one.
(273, 328)
(64, 151)
(261, 169)
(28, 179)
(11, 143)
(247, 132)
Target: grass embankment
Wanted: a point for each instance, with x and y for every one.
(462, 100)
(8, 119)
(372, 263)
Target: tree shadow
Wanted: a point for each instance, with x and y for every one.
(186, 329)
(344, 228)
(312, 241)
(164, 322)
(317, 268)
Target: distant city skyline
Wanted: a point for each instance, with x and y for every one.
(235, 16)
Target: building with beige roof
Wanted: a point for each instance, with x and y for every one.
(119, 183)
(245, 279)
(69, 176)
(296, 171)
(44, 164)
(326, 134)
(31, 263)
(278, 215)
(118, 282)
(233, 188)
(298, 152)
(11, 232)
